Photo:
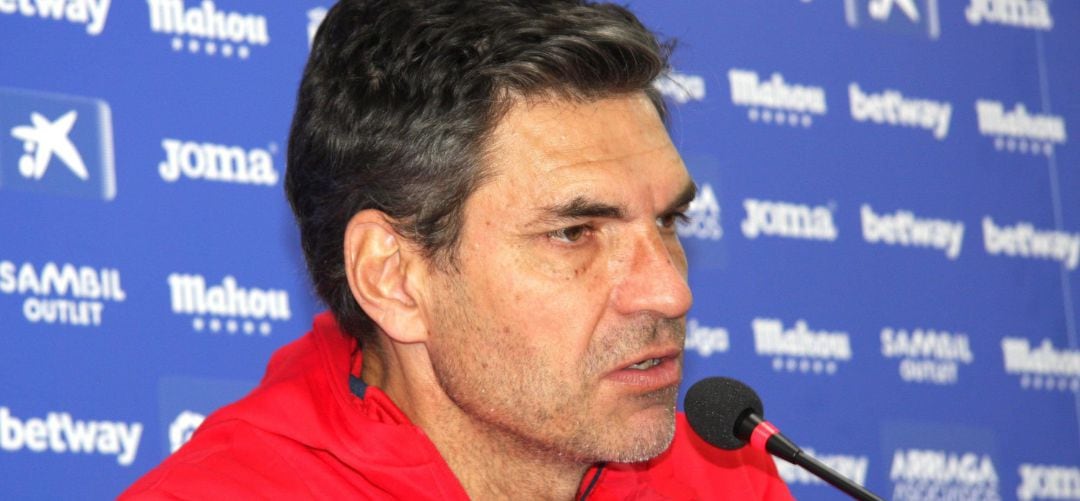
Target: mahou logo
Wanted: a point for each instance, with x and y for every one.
(207, 29)
(64, 293)
(217, 162)
(775, 101)
(800, 349)
(1044, 367)
(227, 307)
(931, 475)
(1017, 130)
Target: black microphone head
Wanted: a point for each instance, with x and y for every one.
(713, 407)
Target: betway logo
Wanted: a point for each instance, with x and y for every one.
(776, 97)
(890, 107)
(1023, 240)
(64, 294)
(681, 87)
(1039, 481)
(1031, 14)
(852, 467)
(706, 340)
(927, 355)
(1018, 123)
(208, 28)
(59, 433)
(192, 296)
(926, 474)
(703, 216)
(1046, 360)
(92, 13)
(182, 428)
(771, 339)
(788, 220)
(216, 162)
(903, 229)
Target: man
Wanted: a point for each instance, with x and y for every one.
(487, 199)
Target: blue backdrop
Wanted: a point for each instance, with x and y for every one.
(885, 245)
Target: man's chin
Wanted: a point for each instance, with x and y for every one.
(647, 435)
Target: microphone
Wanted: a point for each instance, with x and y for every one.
(727, 414)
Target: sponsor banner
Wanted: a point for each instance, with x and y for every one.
(788, 220)
(58, 432)
(62, 293)
(903, 229)
(776, 101)
(703, 216)
(227, 307)
(706, 341)
(891, 108)
(1042, 367)
(1044, 481)
(56, 144)
(185, 402)
(205, 161)
(205, 28)
(930, 462)
(1017, 130)
(1024, 14)
(800, 348)
(911, 17)
(853, 467)
(681, 88)
(1024, 241)
(89, 13)
(926, 355)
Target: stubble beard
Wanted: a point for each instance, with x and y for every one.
(511, 391)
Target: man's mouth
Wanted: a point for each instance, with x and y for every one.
(654, 370)
(645, 364)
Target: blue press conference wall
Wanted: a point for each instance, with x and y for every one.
(885, 245)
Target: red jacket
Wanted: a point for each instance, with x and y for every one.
(304, 434)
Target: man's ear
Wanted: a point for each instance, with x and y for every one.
(377, 263)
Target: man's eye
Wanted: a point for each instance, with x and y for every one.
(670, 220)
(571, 234)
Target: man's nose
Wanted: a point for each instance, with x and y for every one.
(655, 278)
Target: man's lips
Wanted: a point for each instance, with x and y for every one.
(649, 370)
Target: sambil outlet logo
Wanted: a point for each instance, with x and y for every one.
(1022, 240)
(1018, 131)
(60, 433)
(1029, 14)
(903, 229)
(56, 144)
(1044, 367)
(927, 355)
(890, 107)
(775, 101)
(91, 13)
(217, 162)
(703, 216)
(850, 466)
(207, 29)
(706, 340)
(788, 220)
(1041, 481)
(681, 88)
(800, 349)
(62, 294)
(914, 17)
(940, 475)
(315, 19)
(182, 428)
(227, 307)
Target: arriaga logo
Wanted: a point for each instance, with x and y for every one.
(56, 144)
(932, 475)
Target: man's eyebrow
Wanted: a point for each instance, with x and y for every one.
(581, 207)
(689, 192)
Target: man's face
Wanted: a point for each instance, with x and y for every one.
(562, 324)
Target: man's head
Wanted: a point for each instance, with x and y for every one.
(491, 180)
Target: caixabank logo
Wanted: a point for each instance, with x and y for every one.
(62, 293)
(703, 216)
(227, 307)
(775, 100)
(800, 349)
(90, 13)
(205, 28)
(927, 356)
(918, 18)
(1044, 367)
(56, 144)
(206, 161)
(1018, 130)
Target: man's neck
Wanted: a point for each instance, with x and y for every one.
(489, 463)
